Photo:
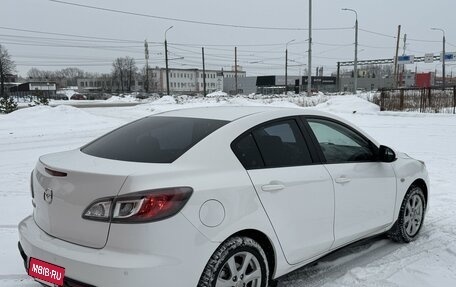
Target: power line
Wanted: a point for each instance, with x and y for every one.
(235, 45)
(109, 48)
(332, 44)
(394, 37)
(376, 47)
(377, 33)
(68, 45)
(67, 35)
(67, 39)
(132, 41)
(423, 41)
(193, 21)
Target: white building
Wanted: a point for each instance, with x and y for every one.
(232, 74)
(185, 81)
(106, 83)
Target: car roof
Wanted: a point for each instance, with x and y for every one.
(232, 113)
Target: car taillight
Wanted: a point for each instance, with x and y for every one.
(144, 206)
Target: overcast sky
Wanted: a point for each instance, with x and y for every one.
(261, 52)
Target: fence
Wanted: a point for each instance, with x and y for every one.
(423, 100)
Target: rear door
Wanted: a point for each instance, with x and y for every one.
(365, 189)
(297, 194)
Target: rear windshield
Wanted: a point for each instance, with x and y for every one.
(153, 139)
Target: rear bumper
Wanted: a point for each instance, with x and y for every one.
(132, 256)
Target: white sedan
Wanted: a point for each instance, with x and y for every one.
(217, 196)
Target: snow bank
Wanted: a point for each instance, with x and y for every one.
(217, 94)
(40, 120)
(348, 104)
(165, 100)
(122, 99)
(46, 114)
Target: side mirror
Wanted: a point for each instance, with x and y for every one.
(386, 154)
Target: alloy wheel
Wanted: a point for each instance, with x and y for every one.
(413, 215)
(240, 270)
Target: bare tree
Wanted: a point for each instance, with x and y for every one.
(63, 78)
(72, 75)
(119, 72)
(131, 69)
(34, 73)
(7, 66)
(124, 72)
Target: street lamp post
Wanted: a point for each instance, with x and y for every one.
(166, 60)
(355, 80)
(286, 65)
(443, 57)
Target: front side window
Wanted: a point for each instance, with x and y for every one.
(340, 144)
(153, 139)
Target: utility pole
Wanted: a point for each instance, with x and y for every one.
(309, 68)
(405, 45)
(338, 76)
(286, 72)
(402, 67)
(355, 68)
(356, 55)
(443, 57)
(166, 60)
(146, 51)
(443, 63)
(235, 70)
(397, 55)
(286, 65)
(204, 74)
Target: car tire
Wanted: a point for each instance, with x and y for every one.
(239, 261)
(411, 216)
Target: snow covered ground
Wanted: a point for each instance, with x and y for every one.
(429, 261)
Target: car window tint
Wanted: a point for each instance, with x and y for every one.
(247, 152)
(282, 144)
(340, 144)
(153, 139)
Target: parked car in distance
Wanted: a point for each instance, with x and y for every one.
(215, 196)
(78, 97)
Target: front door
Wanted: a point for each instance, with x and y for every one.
(365, 189)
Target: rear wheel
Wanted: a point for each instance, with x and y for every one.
(238, 262)
(411, 216)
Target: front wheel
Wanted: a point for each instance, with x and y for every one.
(238, 262)
(411, 216)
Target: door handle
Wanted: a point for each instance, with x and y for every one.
(272, 187)
(342, 179)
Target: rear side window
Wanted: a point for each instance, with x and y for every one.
(247, 152)
(282, 144)
(278, 144)
(153, 139)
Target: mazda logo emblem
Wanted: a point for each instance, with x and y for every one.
(48, 195)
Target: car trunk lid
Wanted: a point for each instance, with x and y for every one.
(66, 183)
